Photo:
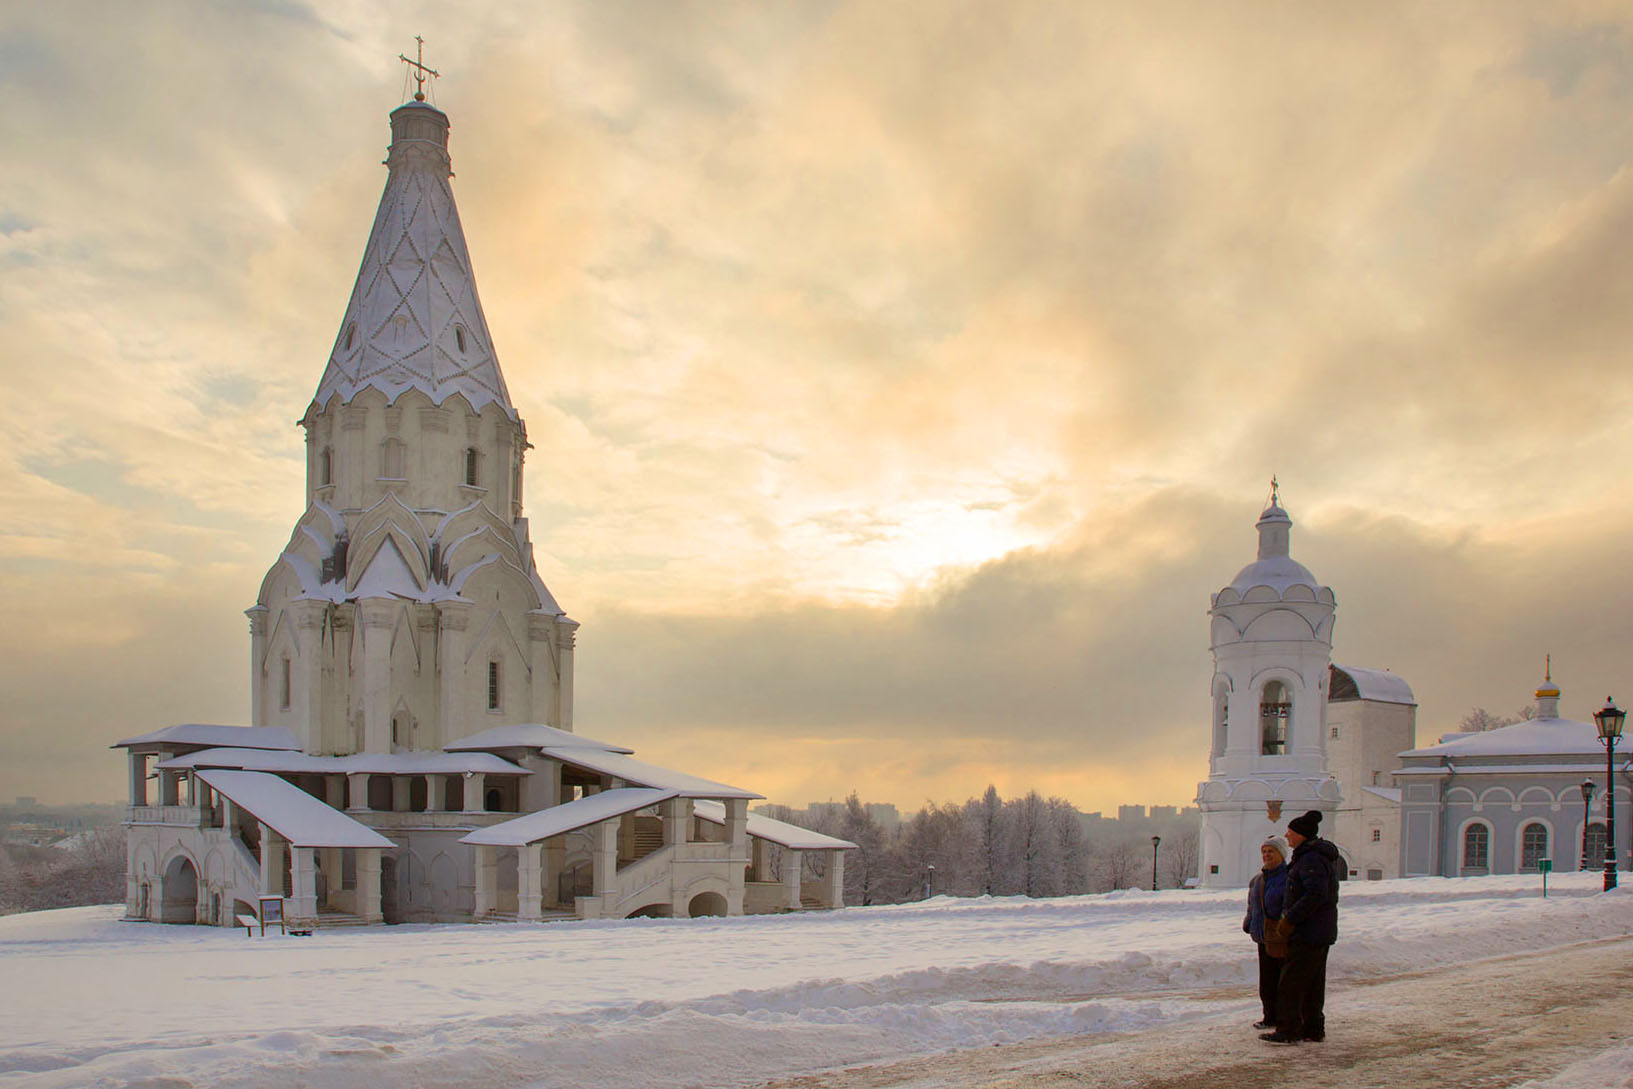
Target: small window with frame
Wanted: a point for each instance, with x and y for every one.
(494, 692)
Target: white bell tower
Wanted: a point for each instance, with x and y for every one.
(1272, 653)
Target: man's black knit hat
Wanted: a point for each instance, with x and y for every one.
(1306, 825)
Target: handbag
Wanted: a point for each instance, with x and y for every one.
(1276, 931)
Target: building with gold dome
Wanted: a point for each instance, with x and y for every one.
(1500, 801)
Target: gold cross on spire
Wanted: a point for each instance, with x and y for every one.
(420, 70)
(1275, 491)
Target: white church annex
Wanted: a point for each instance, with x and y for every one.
(412, 754)
(1291, 731)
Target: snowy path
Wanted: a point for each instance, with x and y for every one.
(719, 1003)
(1561, 1018)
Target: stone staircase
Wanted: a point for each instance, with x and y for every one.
(331, 920)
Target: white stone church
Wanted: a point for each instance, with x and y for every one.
(1291, 731)
(412, 755)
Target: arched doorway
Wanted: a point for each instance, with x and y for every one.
(178, 892)
(706, 903)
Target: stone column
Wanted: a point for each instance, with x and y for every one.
(169, 783)
(760, 868)
(373, 680)
(358, 789)
(674, 821)
(401, 786)
(334, 791)
(436, 793)
(566, 632)
(604, 856)
(529, 877)
(303, 903)
(737, 827)
(626, 836)
(133, 882)
(306, 674)
(138, 778)
(487, 879)
(272, 862)
(792, 863)
(833, 882)
(554, 855)
(455, 710)
(229, 817)
(368, 884)
(475, 788)
(541, 660)
(257, 661)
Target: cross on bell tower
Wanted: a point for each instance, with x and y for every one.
(419, 68)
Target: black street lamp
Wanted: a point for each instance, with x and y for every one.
(1154, 841)
(929, 880)
(1609, 719)
(1587, 800)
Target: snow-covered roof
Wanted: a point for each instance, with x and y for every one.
(373, 763)
(1533, 737)
(787, 835)
(1379, 685)
(592, 809)
(529, 735)
(630, 770)
(291, 812)
(414, 321)
(1390, 794)
(238, 737)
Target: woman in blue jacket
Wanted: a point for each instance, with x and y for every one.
(1264, 901)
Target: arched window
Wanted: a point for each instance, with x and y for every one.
(326, 467)
(1275, 707)
(1476, 848)
(391, 459)
(1594, 856)
(1533, 845)
(1221, 721)
(472, 466)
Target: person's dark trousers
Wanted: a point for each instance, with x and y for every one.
(1269, 978)
(1302, 991)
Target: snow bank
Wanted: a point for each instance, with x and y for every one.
(709, 1002)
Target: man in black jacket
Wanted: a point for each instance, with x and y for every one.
(1309, 922)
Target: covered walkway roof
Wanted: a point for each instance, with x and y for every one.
(782, 833)
(568, 817)
(291, 812)
(630, 770)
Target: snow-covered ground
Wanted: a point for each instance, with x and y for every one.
(91, 1001)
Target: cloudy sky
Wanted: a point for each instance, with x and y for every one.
(903, 376)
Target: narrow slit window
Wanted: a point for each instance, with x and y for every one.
(351, 335)
(283, 684)
(493, 686)
(459, 338)
(326, 467)
(471, 466)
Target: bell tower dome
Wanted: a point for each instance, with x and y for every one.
(1272, 633)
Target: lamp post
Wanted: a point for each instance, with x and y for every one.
(1587, 800)
(929, 880)
(1154, 841)
(1609, 719)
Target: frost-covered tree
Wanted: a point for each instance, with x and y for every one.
(1479, 720)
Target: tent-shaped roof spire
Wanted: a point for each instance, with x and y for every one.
(414, 320)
